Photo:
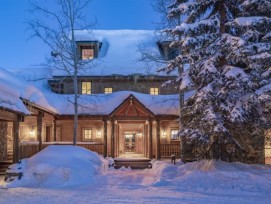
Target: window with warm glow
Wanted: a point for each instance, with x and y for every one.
(87, 53)
(154, 91)
(174, 134)
(87, 134)
(108, 90)
(86, 87)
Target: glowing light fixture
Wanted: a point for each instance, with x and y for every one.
(164, 134)
(99, 134)
(32, 133)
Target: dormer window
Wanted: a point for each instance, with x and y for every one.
(88, 49)
(87, 52)
(168, 53)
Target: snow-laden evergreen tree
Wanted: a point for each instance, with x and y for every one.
(227, 44)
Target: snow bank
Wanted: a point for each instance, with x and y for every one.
(58, 166)
(214, 176)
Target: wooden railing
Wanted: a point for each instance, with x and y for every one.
(169, 149)
(28, 149)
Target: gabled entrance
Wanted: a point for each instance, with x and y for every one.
(131, 133)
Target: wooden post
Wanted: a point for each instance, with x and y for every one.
(15, 130)
(150, 139)
(105, 139)
(39, 129)
(158, 153)
(112, 138)
(54, 126)
(145, 140)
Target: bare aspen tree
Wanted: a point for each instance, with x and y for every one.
(56, 27)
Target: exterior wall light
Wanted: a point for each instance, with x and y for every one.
(32, 133)
(99, 134)
(164, 134)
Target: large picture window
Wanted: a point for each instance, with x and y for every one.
(174, 134)
(154, 91)
(87, 134)
(86, 87)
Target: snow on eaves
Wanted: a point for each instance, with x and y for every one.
(120, 52)
(13, 89)
(104, 104)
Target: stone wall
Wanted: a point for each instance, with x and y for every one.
(3, 140)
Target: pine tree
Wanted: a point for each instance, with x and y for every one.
(227, 44)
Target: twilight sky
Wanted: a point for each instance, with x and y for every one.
(17, 50)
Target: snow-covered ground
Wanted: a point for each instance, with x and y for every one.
(68, 174)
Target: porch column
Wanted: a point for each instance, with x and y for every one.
(39, 129)
(158, 153)
(54, 127)
(105, 138)
(15, 131)
(112, 138)
(150, 139)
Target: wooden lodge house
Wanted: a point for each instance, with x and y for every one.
(124, 110)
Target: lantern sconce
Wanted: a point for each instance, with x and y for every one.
(32, 132)
(99, 133)
(164, 134)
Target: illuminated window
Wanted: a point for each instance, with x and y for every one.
(174, 134)
(87, 52)
(108, 90)
(86, 87)
(87, 134)
(154, 91)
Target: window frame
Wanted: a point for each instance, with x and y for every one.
(83, 134)
(106, 92)
(171, 135)
(153, 91)
(86, 90)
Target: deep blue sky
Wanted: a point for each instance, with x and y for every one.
(18, 51)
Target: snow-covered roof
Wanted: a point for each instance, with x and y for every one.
(9, 94)
(120, 52)
(104, 104)
(14, 88)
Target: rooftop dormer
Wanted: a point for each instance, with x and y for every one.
(88, 49)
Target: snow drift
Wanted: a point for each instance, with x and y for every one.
(58, 166)
(214, 176)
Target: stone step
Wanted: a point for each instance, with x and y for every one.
(133, 163)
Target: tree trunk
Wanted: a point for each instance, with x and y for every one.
(75, 77)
